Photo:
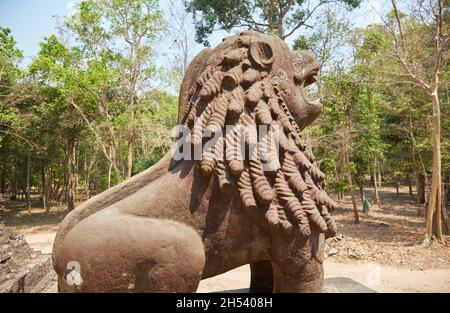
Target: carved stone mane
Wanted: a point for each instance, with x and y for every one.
(238, 87)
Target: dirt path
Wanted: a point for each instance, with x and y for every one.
(40, 239)
(381, 278)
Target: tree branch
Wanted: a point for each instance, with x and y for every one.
(402, 58)
(303, 21)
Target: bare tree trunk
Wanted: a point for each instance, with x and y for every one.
(27, 192)
(445, 222)
(131, 107)
(53, 189)
(361, 193)
(14, 182)
(110, 169)
(71, 179)
(87, 188)
(380, 176)
(109, 175)
(63, 193)
(45, 190)
(375, 184)
(76, 165)
(352, 193)
(2, 180)
(434, 210)
(408, 178)
(421, 188)
(130, 153)
(416, 173)
(346, 161)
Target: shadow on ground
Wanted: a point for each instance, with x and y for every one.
(331, 285)
(17, 214)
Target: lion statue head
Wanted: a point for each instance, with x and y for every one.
(246, 82)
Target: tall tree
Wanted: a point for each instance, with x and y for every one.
(281, 17)
(181, 36)
(137, 23)
(415, 64)
(124, 31)
(329, 37)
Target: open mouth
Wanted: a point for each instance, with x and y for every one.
(307, 95)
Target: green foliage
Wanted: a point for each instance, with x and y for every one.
(281, 19)
(77, 102)
(301, 43)
(8, 49)
(328, 36)
(10, 56)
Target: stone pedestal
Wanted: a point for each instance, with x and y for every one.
(344, 285)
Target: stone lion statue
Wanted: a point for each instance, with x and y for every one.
(181, 221)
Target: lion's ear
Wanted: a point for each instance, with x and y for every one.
(261, 53)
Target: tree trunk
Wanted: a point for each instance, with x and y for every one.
(421, 188)
(55, 189)
(63, 191)
(346, 161)
(416, 173)
(14, 183)
(2, 181)
(27, 191)
(87, 184)
(71, 179)
(375, 184)
(130, 153)
(109, 175)
(408, 178)
(280, 25)
(434, 210)
(352, 193)
(110, 167)
(361, 193)
(445, 222)
(45, 190)
(131, 108)
(380, 176)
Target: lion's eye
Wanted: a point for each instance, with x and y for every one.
(305, 79)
